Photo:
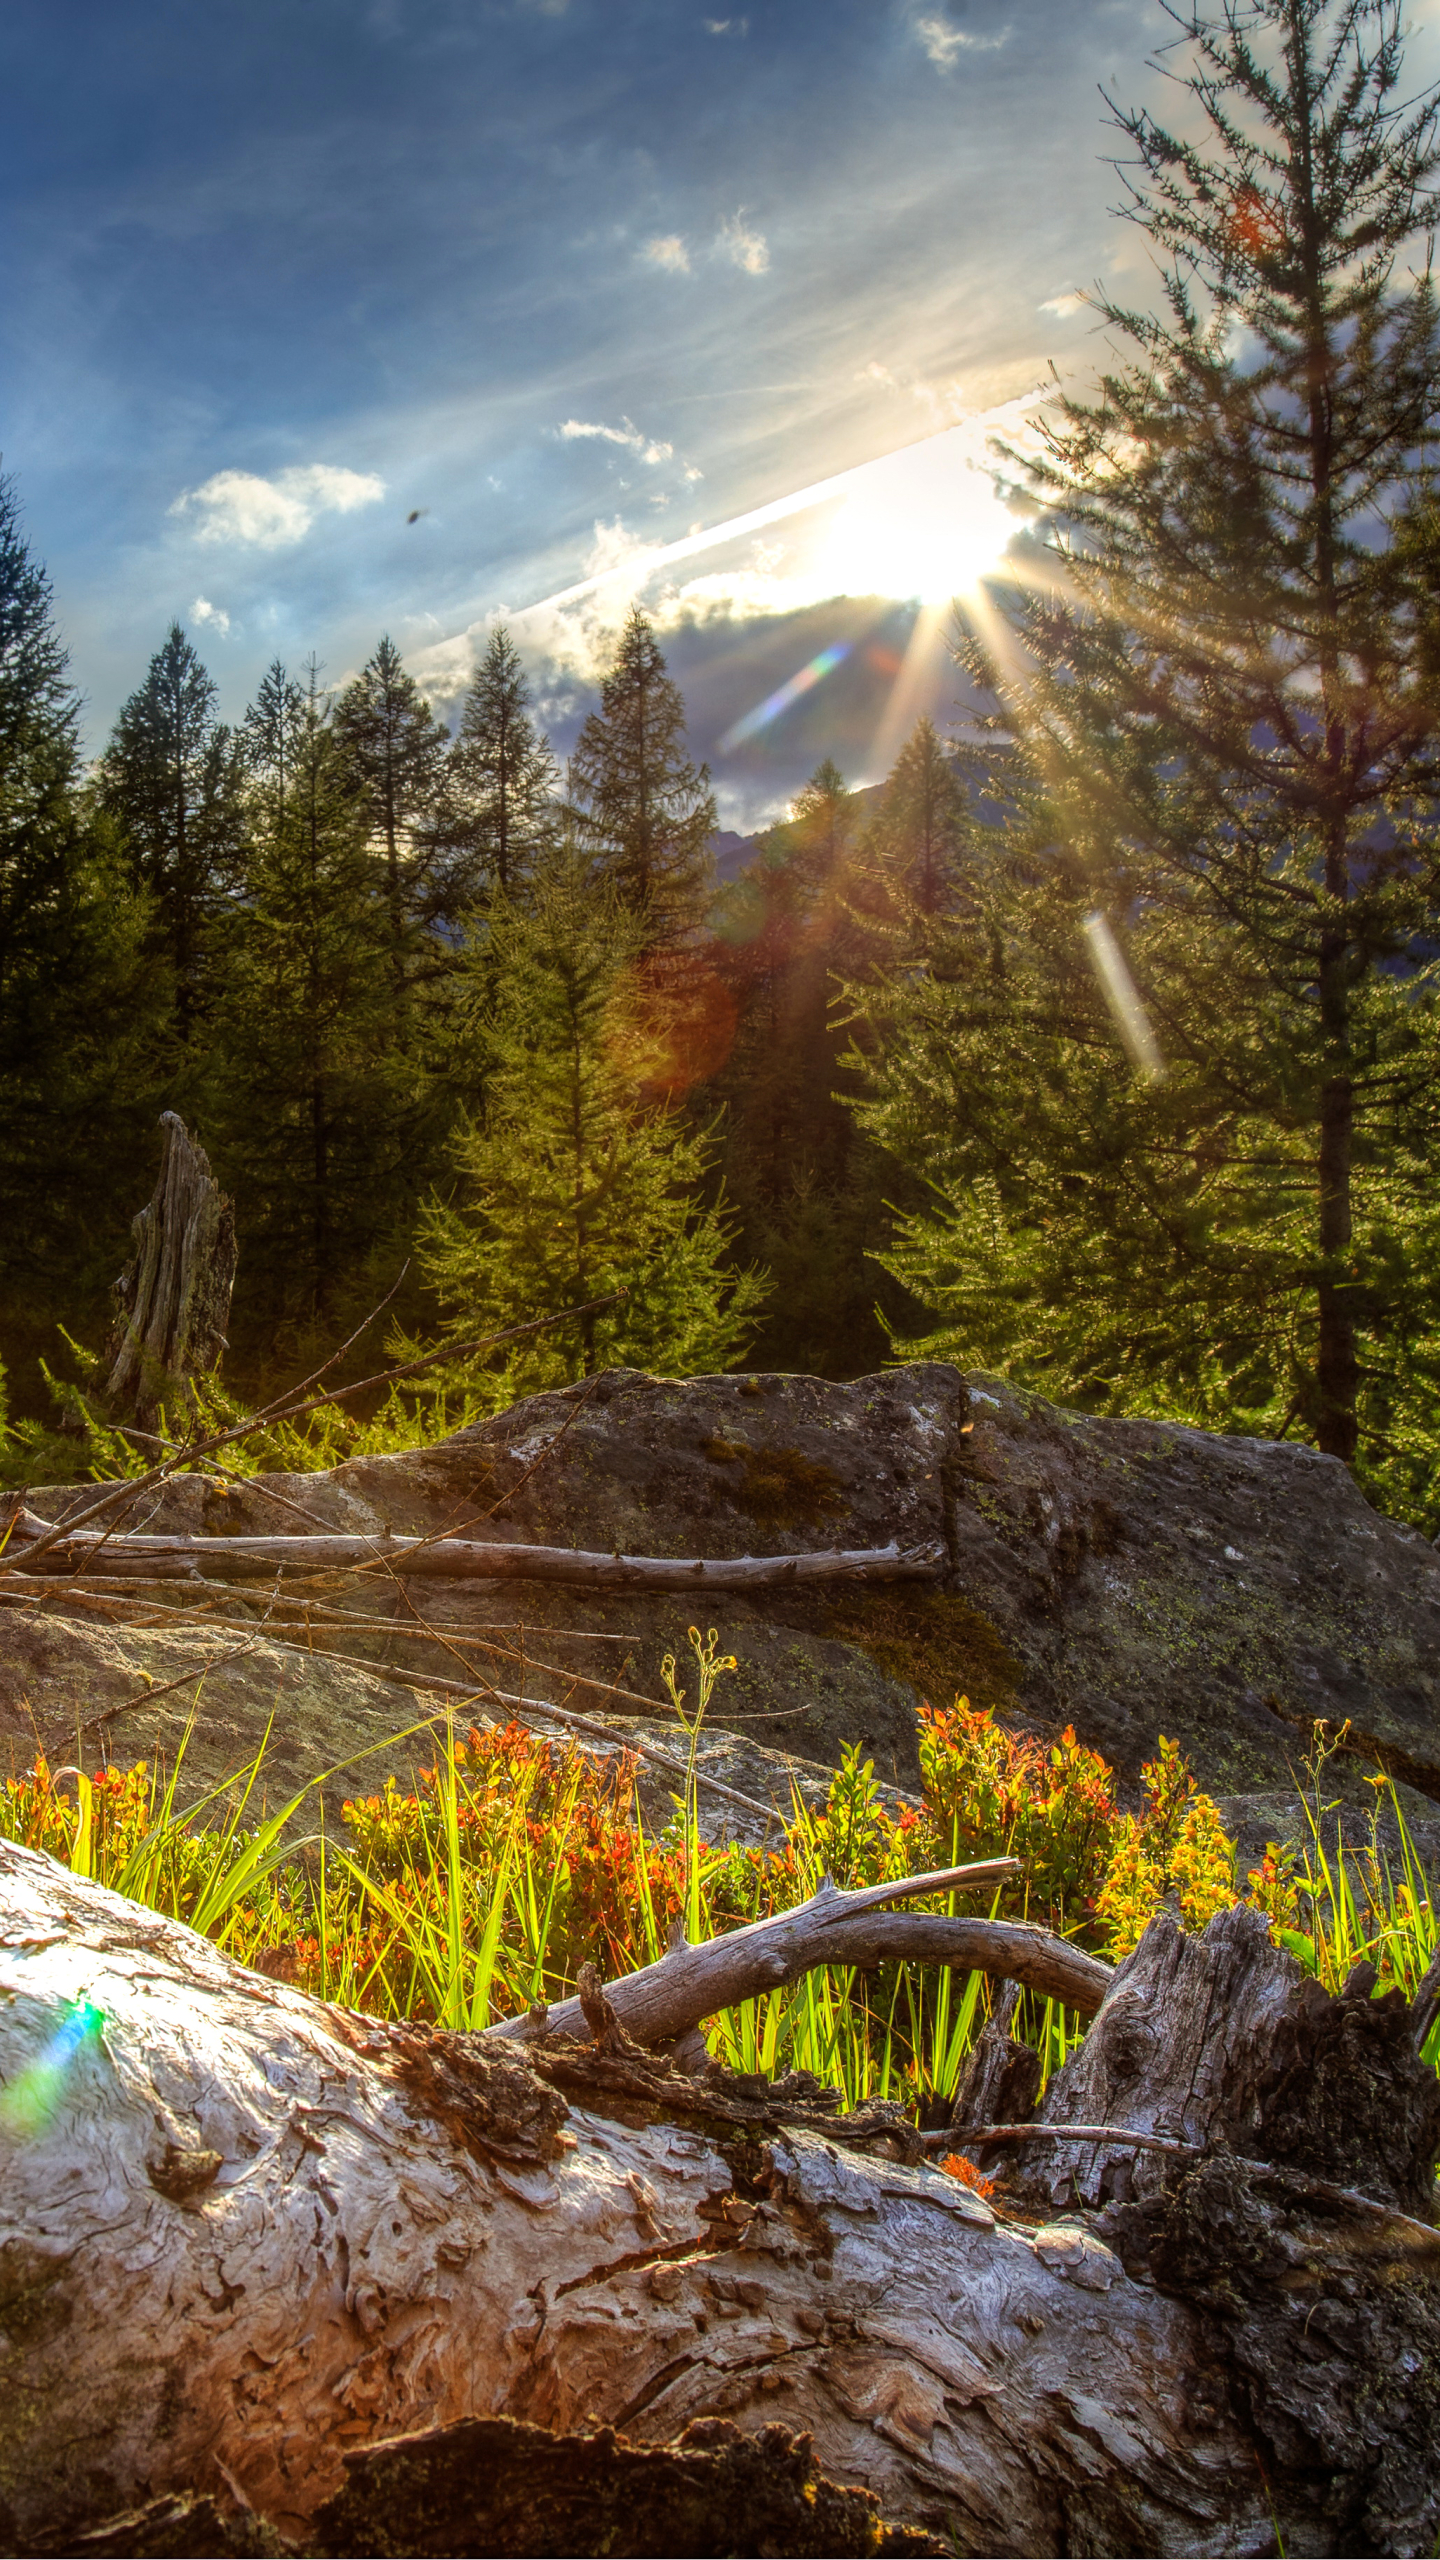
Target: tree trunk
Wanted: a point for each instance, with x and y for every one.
(246, 2238)
(174, 1297)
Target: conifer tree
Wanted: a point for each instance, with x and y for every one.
(647, 812)
(922, 830)
(571, 1186)
(396, 751)
(171, 780)
(804, 1182)
(312, 1135)
(80, 1046)
(501, 783)
(1229, 748)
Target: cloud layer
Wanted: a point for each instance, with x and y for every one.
(241, 507)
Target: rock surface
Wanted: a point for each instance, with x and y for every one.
(1128, 1578)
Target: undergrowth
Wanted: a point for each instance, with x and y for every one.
(514, 1859)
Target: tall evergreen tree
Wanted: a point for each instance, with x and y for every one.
(1230, 725)
(501, 782)
(647, 812)
(312, 1129)
(171, 779)
(396, 750)
(922, 830)
(79, 1021)
(571, 1185)
(804, 1182)
(271, 734)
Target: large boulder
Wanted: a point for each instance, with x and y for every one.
(1126, 1578)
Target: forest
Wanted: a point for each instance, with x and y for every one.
(1096, 1045)
(942, 2054)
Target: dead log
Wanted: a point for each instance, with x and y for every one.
(121, 1552)
(245, 2237)
(173, 1297)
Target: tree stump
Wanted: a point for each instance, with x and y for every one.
(174, 1296)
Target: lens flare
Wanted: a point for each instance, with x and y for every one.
(1123, 998)
(31, 2101)
(780, 701)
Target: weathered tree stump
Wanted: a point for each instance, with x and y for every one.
(174, 1296)
(246, 2238)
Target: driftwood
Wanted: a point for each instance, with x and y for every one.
(173, 1298)
(120, 1552)
(246, 2239)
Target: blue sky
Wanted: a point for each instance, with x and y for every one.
(571, 277)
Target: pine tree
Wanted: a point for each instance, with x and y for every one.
(501, 783)
(922, 831)
(312, 1135)
(646, 811)
(80, 1052)
(396, 750)
(1228, 728)
(572, 1186)
(272, 731)
(171, 779)
(804, 1182)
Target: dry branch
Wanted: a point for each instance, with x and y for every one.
(689, 1983)
(33, 1540)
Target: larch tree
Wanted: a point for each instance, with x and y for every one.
(501, 782)
(574, 1184)
(645, 809)
(171, 780)
(1178, 1089)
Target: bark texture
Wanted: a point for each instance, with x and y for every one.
(244, 2239)
(173, 1297)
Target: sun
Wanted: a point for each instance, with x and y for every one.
(924, 524)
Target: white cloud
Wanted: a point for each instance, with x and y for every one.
(746, 248)
(626, 433)
(944, 403)
(202, 610)
(1063, 306)
(727, 26)
(240, 506)
(944, 43)
(668, 252)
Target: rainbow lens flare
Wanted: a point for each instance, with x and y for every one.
(774, 703)
(30, 2101)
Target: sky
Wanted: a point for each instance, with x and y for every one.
(326, 318)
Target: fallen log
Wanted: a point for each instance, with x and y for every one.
(122, 1552)
(246, 2238)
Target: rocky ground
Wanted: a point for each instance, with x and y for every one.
(1128, 1578)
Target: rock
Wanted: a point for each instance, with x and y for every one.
(1129, 1578)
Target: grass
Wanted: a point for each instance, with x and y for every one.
(515, 1859)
